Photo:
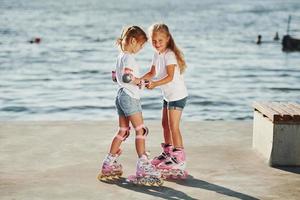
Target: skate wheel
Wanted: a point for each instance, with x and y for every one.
(132, 179)
(185, 175)
(101, 177)
(115, 177)
(159, 183)
(151, 181)
(174, 177)
(108, 177)
(142, 181)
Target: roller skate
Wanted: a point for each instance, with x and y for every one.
(111, 169)
(146, 174)
(167, 148)
(174, 166)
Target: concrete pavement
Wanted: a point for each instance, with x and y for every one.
(60, 160)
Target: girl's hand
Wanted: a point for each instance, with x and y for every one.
(151, 85)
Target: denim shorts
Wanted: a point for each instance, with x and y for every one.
(175, 105)
(126, 105)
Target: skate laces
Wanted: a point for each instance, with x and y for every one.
(171, 161)
(110, 159)
(162, 156)
(176, 157)
(146, 165)
(165, 153)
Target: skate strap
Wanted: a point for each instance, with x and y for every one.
(177, 149)
(140, 137)
(171, 161)
(174, 159)
(139, 127)
(142, 126)
(124, 128)
(162, 156)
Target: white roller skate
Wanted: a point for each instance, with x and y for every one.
(111, 169)
(174, 166)
(167, 149)
(146, 173)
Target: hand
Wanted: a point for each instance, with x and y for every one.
(151, 85)
(140, 83)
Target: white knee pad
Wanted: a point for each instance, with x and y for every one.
(123, 133)
(144, 135)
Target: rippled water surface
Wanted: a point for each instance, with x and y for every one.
(67, 75)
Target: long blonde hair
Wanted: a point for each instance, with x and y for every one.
(163, 28)
(131, 32)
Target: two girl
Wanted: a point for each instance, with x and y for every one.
(167, 68)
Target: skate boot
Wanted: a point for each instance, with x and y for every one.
(111, 169)
(167, 148)
(174, 166)
(146, 173)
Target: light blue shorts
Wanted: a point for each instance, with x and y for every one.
(175, 105)
(126, 105)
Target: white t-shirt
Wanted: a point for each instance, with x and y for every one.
(126, 60)
(176, 89)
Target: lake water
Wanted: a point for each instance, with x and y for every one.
(67, 76)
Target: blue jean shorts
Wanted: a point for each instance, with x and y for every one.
(175, 105)
(126, 105)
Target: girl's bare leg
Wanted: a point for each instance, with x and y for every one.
(174, 122)
(121, 135)
(166, 127)
(138, 124)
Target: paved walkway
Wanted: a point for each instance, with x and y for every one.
(60, 160)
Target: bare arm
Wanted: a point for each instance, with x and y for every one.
(149, 75)
(168, 78)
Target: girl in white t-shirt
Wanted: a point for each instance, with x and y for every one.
(129, 110)
(167, 70)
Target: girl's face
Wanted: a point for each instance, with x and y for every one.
(160, 41)
(137, 46)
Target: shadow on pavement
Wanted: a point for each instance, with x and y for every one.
(196, 183)
(172, 194)
(162, 191)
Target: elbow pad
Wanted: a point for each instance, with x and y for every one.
(127, 78)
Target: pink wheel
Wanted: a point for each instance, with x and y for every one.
(184, 176)
(131, 178)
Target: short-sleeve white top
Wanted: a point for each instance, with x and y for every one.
(176, 89)
(126, 60)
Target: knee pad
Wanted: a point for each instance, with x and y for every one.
(145, 133)
(123, 133)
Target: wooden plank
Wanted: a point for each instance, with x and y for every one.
(294, 106)
(273, 115)
(277, 106)
(286, 116)
(292, 111)
(288, 109)
(282, 116)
